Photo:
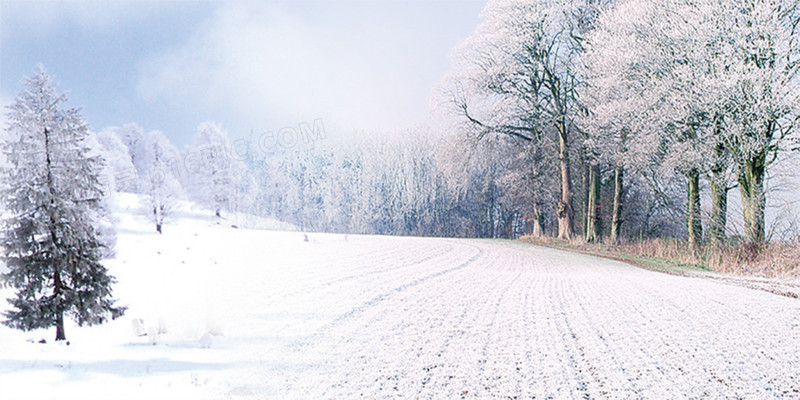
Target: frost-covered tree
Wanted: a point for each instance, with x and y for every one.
(715, 80)
(134, 138)
(118, 157)
(209, 167)
(52, 247)
(243, 190)
(105, 221)
(757, 54)
(625, 98)
(528, 178)
(520, 77)
(160, 181)
(301, 173)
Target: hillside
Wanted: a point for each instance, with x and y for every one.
(220, 312)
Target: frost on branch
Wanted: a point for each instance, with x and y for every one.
(54, 202)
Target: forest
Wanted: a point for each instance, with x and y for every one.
(587, 121)
(593, 120)
(289, 263)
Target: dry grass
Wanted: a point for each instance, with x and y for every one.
(773, 260)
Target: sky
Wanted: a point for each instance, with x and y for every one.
(358, 66)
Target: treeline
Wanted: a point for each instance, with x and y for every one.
(417, 182)
(606, 120)
(414, 183)
(609, 120)
(633, 105)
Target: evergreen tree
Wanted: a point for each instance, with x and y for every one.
(53, 204)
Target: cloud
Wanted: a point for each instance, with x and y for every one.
(90, 15)
(270, 65)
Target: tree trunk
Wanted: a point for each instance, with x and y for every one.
(60, 335)
(719, 190)
(565, 211)
(616, 217)
(582, 207)
(719, 207)
(593, 226)
(538, 217)
(694, 224)
(751, 188)
(155, 218)
(58, 286)
(538, 229)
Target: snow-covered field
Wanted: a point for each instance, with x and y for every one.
(217, 312)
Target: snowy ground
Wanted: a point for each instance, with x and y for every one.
(217, 312)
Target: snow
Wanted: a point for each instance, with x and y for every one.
(218, 312)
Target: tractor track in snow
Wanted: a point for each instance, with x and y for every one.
(449, 318)
(358, 266)
(414, 281)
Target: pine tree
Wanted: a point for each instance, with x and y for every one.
(54, 199)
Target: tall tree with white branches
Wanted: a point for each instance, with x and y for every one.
(210, 167)
(520, 77)
(160, 180)
(54, 198)
(717, 83)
